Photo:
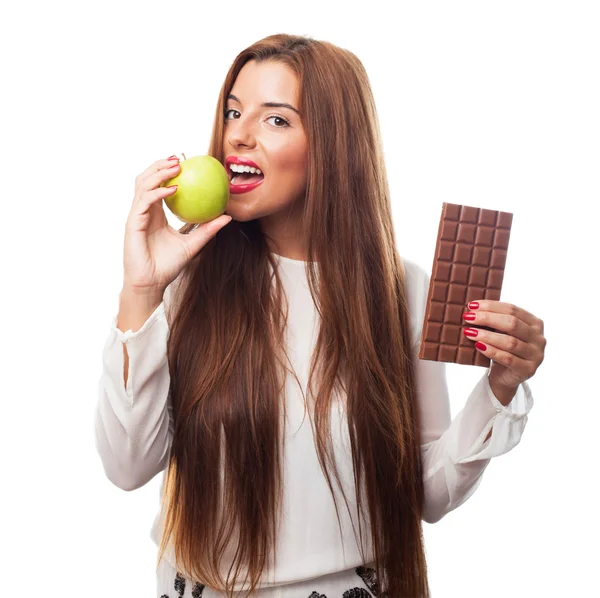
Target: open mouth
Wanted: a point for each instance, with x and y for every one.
(244, 178)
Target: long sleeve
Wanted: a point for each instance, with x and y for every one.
(133, 424)
(453, 450)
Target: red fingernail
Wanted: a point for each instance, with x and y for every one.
(480, 346)
(173, 157)
(469, 316)
(470, 332)
(474, 305)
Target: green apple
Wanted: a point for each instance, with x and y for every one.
(202, 190)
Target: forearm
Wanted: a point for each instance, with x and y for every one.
(133, 420)
(135, 307)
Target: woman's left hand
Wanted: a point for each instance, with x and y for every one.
(515, 355)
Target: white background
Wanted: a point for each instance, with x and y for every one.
(490, 104)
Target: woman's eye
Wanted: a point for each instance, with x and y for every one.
(279, 118)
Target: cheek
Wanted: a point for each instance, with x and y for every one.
(292, 159)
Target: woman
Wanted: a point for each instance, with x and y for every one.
(305, 285)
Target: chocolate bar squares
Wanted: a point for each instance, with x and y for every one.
(468, 264)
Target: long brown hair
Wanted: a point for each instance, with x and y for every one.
(227, 358)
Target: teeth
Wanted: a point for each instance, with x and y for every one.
(239, 168)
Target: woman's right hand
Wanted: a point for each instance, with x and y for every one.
(154, 252)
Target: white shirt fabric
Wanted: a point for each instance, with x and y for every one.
(133, 428)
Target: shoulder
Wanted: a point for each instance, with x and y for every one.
(416, 279)
(417, 288)
(413, 270)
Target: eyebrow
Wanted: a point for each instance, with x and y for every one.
(268, 104)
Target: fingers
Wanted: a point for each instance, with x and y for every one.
(524, 368)
(165, 173)
(150, 199)
(505, 342)
(147, 185)
(197, 238)
(153, 169)
(502, 307)
(500, 321)
(155, 175)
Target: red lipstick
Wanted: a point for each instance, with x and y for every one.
(242, 161)
(244, 187)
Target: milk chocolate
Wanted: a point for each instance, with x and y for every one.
(469, 262)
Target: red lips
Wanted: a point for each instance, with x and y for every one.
(242, 161)
(244, 187)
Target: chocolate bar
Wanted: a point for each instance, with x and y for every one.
(469, 262)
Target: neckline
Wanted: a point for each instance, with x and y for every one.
(289, 260)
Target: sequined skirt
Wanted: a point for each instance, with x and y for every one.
(360, 582)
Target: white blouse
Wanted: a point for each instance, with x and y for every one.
(134, 427)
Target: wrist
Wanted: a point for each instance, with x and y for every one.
(135, 307)
(140, 300)
(504, 394)
(142, 293)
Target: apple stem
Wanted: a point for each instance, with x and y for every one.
(183, 156)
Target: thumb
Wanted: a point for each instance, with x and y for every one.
(201, 235)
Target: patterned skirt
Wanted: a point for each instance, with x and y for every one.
(360, 582)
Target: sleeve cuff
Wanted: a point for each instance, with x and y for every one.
(129, 334)
(519, 406)
(485, 412)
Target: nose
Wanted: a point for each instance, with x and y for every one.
(240, 133)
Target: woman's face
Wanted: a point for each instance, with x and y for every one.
(273, 138)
